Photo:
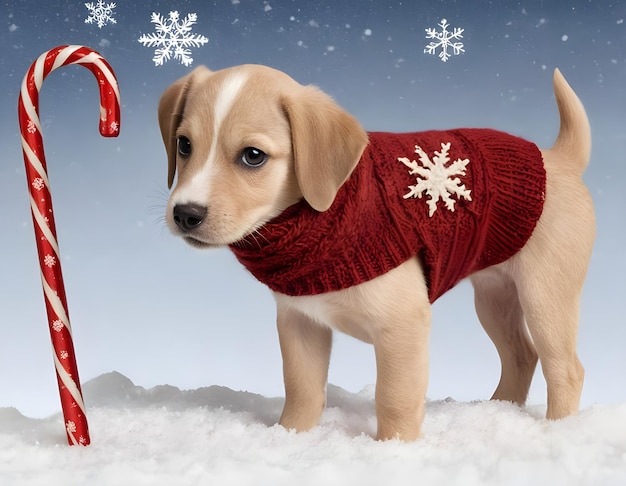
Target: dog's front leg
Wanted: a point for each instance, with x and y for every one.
(400, 315)
(305, 347)
(402, 378)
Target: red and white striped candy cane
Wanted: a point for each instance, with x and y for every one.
(43, 215)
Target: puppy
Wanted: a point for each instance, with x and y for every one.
(360, 232)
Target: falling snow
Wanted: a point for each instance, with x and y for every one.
(173, 37)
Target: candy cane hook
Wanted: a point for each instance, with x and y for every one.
(43, 216)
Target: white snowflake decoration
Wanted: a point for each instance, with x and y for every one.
(100, 13)
(58, 325)
(49, 261)
(31, 127)
(444, 40)
(173, 36)
(437, 180)
(38, 183)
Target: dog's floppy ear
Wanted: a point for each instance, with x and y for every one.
(327, 144)
(171, 108)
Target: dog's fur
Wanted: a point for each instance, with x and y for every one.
(528, 304)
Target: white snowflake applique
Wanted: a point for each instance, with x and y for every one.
(436, 179)
(31, 127)
(100, 13)
(173, 36)
(444, 40)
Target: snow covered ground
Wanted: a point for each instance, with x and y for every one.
(166, 436)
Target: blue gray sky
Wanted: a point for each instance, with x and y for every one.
(144, 304)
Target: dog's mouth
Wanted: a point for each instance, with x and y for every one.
(190, 240)
(202, 244)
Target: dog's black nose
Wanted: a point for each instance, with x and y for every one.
(189, 216)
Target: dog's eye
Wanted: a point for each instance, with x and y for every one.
(184, 146)
(253, 157)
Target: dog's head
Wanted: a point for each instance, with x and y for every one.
(247, 143)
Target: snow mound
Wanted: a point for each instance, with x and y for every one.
(214, 435)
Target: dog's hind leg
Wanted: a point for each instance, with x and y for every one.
(549, 273)
(551, 310)
(500, 313)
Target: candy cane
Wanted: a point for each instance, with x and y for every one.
(43, 217)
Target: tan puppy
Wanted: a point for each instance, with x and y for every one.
(249, 142)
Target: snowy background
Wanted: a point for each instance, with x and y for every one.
(144, 304)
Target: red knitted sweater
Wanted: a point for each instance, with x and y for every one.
(462, 200)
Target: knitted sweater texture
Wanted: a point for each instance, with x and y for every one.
(462, 200)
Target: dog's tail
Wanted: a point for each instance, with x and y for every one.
(574, 139)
